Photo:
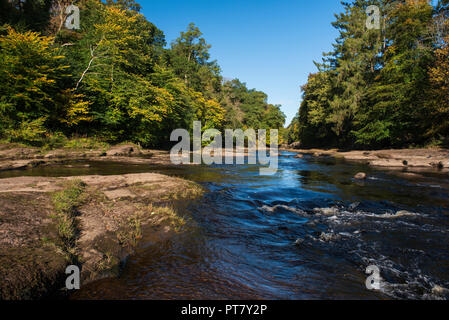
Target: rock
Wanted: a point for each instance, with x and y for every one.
(404, 213)
(327, 237)
(311, 223)
(360, 176)
(386, 163)
(384, 156)
(28, 264)
(299, 156)
(438, 290)
(323, 154)
(14, 165)
(119, 194)
(295, 145)
(327, 211)
(299, 241)
(17, 153)
(116, 212)
(439, 165)
(354, 205)
(123, 151)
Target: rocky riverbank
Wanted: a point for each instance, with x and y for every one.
(18, 158)
(94, 222)
(411, 159)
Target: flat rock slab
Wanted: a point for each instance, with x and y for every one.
(30, 263)
(49, 184)
(114, 212)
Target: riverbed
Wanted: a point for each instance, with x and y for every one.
(308, 232)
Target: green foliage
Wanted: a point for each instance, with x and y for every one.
(189, 58)
(28, 131)
(90, 143)
(247, 108)
(31, 73)
(66, 201)
(439, 80)
(113, 79)
(31, 15)
(374, 89)
(65, 204)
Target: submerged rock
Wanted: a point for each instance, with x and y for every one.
(327, 211)
(327, 237)
(438, 290)
(311, 223)
(354, 205)
(299, 156)
(403, 213)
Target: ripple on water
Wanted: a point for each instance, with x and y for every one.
(310, 231)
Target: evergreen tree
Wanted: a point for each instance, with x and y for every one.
(380, 87)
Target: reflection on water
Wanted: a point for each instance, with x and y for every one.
(309, 232)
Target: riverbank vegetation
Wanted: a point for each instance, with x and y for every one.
(66, 203)
(380, 88)
(114, 79)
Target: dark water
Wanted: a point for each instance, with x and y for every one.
(240, 240)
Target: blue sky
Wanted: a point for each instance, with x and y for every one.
(268, 44)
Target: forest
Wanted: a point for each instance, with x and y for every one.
(114, 79)
(383, 87)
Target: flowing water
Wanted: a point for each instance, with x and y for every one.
(308, 232)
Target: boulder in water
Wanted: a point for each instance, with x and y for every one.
(438, 290)
(360, 176)
(327, 237)
(327, 211)
(354, 205)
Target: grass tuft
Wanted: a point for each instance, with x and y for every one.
(170, 215)
(131, 232)
(65, 203)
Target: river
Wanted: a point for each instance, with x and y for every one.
(308, 232)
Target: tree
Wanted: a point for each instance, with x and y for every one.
(439, 79)
(189, 56)
(374, 90)
(314, 127)
(113, 78)
(31, 74)
(25, 15)
(400, 94)
(247, 108)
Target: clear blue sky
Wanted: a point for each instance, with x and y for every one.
(268, 44)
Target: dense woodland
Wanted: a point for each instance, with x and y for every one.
(115, 79)
(380, 88)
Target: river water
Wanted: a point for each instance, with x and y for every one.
(308, 232)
